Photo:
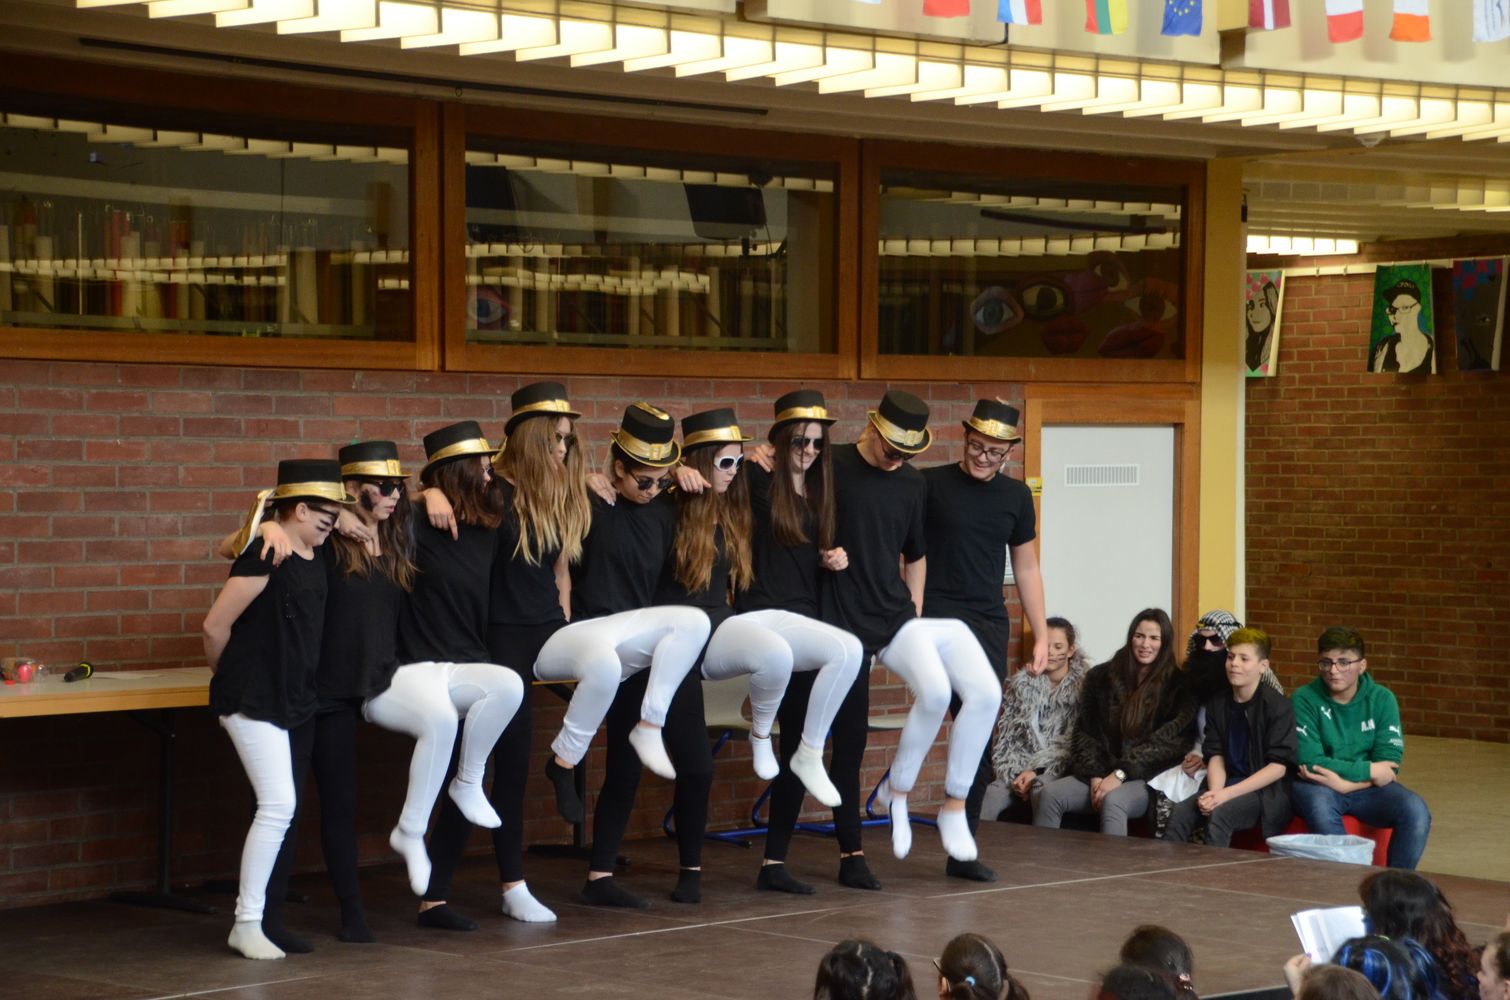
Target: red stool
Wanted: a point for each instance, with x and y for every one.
(1253, 839)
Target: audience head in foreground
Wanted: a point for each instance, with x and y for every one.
(859, 970)
(973, 968)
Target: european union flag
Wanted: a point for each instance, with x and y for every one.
(1182, 17)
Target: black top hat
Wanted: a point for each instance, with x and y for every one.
(645, 435)
(311, 479)
(806, 405)
(718, 426)
(456, 441)
(902, 421)
(372, 460)
(538, 399)
(995, 419)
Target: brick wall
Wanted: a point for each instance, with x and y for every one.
(115, 483)
(1383, 501)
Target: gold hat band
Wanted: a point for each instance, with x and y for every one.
(545, 406)
(334, 492)
(383, 467)
(472, 446)
(896, 435)
(730, 433)
(995, 428)
(803, 413)
(636, 448)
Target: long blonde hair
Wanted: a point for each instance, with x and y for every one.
(550, 497)
(698, 515)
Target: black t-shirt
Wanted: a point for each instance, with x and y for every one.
(522, 594)
(1239, 735)
(969, 526)
(360, 649)
(446, 616)
(786, 577)
(714, 598)
(622, 556)
(267, 671)
(879, 517)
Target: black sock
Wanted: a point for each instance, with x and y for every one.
(855, 873)
(444, 918)
(972, 870)
(608, 892)
(689, 886)
(354, 929)
(563, 780)
(776, 878)
(291, 943)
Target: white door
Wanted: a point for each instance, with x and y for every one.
(1107, 532)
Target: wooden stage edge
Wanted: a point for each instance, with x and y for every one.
(1060, 910)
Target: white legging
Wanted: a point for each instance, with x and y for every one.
(933, 656)
(264, 752)
(600, 653)
(426, 701)
(769, 645)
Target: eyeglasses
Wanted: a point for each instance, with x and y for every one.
(803, 443)
(1393, 310)
(648, 483)
(1336, 666)
(975, 448)
(385, 487)
(728, 463)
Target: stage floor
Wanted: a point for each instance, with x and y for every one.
(1062, 906)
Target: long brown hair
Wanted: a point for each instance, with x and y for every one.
(550, 497)
(460, 479)
(788, 507)
(697, 517)
(395, 537)
(1142, 700)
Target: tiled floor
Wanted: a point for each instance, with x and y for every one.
(1064, 902)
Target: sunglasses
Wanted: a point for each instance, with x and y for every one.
(803, 443)
(647, 483)
(892, 455)
(728, 463)
(1214, 639)
(385, 487)
(570, 440)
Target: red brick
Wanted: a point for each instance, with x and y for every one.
(183, 402)
(49, 450)
(107, 575)
(117, 401)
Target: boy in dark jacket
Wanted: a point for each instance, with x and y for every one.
(1250, 750)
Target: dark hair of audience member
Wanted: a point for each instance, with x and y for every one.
(859, 970)
(1160, 948)
(975, 969)
(1063, 624)
(1137, 982)
(1401, 904)
(1333, 982)
(1399, 970)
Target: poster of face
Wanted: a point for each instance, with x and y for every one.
(1478, 309)
(1402, 336)
(1263, 298)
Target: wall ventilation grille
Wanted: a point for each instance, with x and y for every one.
(1101, 475)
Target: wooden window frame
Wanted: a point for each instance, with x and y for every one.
(880, 154)
(459, 120)
(219, 96)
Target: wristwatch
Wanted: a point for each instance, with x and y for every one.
(1120, 775)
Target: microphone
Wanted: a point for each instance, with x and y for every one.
(78, 673)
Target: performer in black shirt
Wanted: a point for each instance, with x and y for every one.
(976, 515)
(262, 639)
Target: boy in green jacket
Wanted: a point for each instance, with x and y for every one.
(1351, 744)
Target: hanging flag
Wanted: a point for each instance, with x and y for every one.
(946, 8)
(1019, 11)
(1491, 20)
(1106, 17)
(1344, 20)
(1268, 14)
(1412, 21)
(1181, 17)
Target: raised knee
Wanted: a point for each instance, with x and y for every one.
(933, 695)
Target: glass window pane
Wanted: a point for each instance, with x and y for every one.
(118, 219)
(1029, 268)
(591, 247)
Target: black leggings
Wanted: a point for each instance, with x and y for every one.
(516, 647)
(686, 738)
(848, 736)
(301, 743)
(993, 637)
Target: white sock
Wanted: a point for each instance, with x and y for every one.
(519, 904)
(647, 742)
(807, 765)
(901, 826)
(764, 758)
(474, 804)
(247, 938)
(954, 831)
(416, 859)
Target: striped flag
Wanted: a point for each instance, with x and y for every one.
(1344, 20)
(1181, 17)
(1491, 20)
(1019, 11)
(1412, 21)
(1106, 17)
(1268, 14)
